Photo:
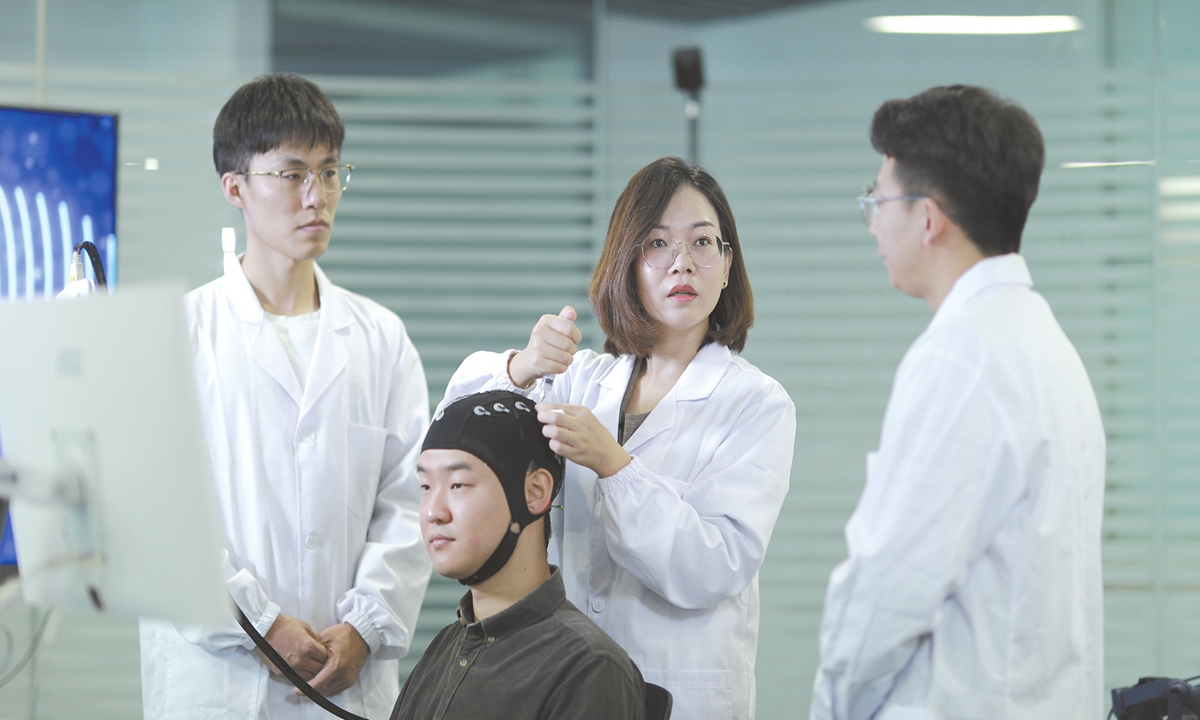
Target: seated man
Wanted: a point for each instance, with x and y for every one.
(519, 648)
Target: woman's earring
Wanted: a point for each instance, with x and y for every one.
(724, 283)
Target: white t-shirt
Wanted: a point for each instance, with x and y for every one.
(299, 336)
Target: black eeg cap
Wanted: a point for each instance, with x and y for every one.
(501, 429)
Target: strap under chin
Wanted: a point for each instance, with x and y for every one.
(499, 558)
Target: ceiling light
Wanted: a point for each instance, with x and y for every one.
(973, 24)
(1122, 163)
(1179, 185)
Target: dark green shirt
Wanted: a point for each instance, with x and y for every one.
(540, 658)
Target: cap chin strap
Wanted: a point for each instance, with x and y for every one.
(499, 557)
(519, 517)
(502, 553)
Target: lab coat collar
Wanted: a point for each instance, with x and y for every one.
(701, 376)
(246, 306)
(1009, 269)
(330, 355)
(697, 382)
(263, 344)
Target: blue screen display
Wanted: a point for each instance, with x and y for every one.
(58, 173)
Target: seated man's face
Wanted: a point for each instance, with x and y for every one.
(464, 512)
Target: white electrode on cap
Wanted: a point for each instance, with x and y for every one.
(228, 245)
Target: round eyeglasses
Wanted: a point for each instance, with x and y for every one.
(868, 205)
(296, 181)
(704, 251)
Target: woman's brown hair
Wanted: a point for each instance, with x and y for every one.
(614, 286)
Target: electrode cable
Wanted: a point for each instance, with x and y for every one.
(290, 673)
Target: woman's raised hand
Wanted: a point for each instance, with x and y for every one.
(578, 436)
(550, 350)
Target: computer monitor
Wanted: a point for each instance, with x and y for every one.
(58, 187)
(104, 388)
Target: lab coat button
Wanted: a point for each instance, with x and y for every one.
(311, 540)
(308, 436)
(598, 604)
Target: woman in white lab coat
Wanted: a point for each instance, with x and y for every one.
(680, 451)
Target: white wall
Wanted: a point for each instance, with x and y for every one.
(214, 37)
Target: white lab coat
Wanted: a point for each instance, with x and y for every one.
(664, 555)
(318, 497)
(973, 584)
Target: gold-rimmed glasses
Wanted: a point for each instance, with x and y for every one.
(705, 251)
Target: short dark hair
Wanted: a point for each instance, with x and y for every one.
(269, 112)
(980, 155)
(613, 290)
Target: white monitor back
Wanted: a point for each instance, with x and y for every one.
(111, 380)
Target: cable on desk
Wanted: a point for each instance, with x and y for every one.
(33, 646)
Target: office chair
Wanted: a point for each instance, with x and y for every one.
(1152, 698)
(658, 702)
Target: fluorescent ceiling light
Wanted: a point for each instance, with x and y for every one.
(973, 24)
(1180, 211)
(1123, 163)
(1179, 185)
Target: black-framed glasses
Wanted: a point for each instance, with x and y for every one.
(868, 204)
(704, 251)
(295, 181)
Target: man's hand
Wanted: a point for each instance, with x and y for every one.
(296, 642)
(347, 653)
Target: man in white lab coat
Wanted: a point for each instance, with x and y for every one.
(973, 583)
(314, 403)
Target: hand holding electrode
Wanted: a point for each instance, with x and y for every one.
(551, 348)
(578, 436)
(347, 654)
(296, 642)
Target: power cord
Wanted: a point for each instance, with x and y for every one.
(97, 266)
(8, 646)
(33, 646)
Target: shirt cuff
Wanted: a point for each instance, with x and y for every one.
(624, 477)
(359, 621)
(262, 625)
(504, 380)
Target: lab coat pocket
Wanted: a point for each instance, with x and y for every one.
(696, 693)
(364, 461)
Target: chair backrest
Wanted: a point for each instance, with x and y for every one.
(658, 702)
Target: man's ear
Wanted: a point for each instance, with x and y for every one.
(936, 222)
(232, 187)
(539, 490)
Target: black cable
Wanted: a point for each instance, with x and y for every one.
(33, 646)
(97, 266)
(290, 673)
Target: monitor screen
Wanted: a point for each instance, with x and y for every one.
(58, 173)
(114, 507)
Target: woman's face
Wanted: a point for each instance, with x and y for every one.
(683, 294)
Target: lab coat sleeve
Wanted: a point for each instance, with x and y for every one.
(254, 604)
(482, 372)
(393, 570)
(699, 543)
(932, 502)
